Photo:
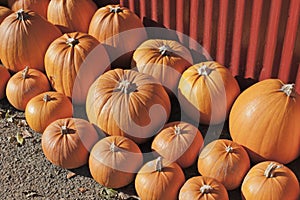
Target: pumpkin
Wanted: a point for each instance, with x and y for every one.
(107, 26)
(38, 6)
(4, 12)
(206, 92)
(265, 120)
(203, 188)
(128, 103)
(4, 77)
(45, 108)
(270, 180)
(24, 85)
(158, 179)
(71, 15)
(73, 62)
(67, 142)
(225, 161)
(114, 161)
(25, 37)
(163, 59)
(178, 142)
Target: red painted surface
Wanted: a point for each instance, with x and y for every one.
(207, 32)
(154, 9)
(194, 22)
(167, 13)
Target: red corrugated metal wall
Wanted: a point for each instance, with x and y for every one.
(253, 38)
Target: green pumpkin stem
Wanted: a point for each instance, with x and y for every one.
(64, 130)
(159, 164)
(22, 15)
(116, 9)
(269, 172)
(164, 50)
(46, 98)
(205, 189)
(204, 70)
(72, 42)
(289, 90)
(229, 149)
(25, 72)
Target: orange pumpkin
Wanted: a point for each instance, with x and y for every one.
(67, 142)
(71, 15)
(25, 37)
(270, 180)
(128, 103)
(206, 92)
(225, 161)
(4, 12)
(178, 142)
(265, 120)
(203, 188)
(38, 6)
(107, 26)
(71, 65)
(25, 85)
(4, 77)
(163, 59)
(114, 161)
(45, 108)
(159, 180)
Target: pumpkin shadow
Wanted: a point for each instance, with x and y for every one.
(123, 61)
(244, 83)
(82, 171)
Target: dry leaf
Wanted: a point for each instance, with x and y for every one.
(20, 139)
(70, 175)
(26, 134)
(22, 123)
(82, 189)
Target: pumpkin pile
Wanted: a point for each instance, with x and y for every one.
(57, 54)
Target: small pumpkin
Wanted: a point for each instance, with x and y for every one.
(71, 15)
(4, 12)
(128, 103)
(159, 180)
(4, 77)
(114, 160)
(38, 6)
(72, 64)
(206, 92)
(163, 59)
(225, 161)
(178, 142)
(45, 108)
(23, 33)
(25, 85)
(265, 120)
(203, 188)
(270, 180)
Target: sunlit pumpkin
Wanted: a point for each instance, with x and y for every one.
(38, 6)
(4, 77)
(4, 12)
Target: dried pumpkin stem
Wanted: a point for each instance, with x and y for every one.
(116, 9)
(25, 72)
(229, 149)
(113, 147)
(177, 130)
(159, 165)
(22, 15)
(206, 189)
(126, 86)
(64, 130)
(204, 70)
(165, 50)
(46, 98)
(289, 90)
(269, 172)
(72, 42)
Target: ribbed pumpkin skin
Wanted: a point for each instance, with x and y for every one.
(151, 184)
(4, 12)
(24, 42)
(71, 149)
(207, 98)
(266, 121)
(283, 184)
(138, 114)
(183, 147)
(115, 169)
(228, 167)
(4, 77)
(40, 113)
(21, 89)
(71, 15)
(191, 189)
(63, 62)
(168, 67)
(38, 6)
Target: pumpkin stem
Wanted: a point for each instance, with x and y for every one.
(289, 90)
(72, 42)
(126, 86)
(177, 130)
(229, 149)
(22, 15)
(64, 130)
(25, 72)
(204, 70)
(206, 189)
(269, 172)
(46, 98)
(116, 9)
(165, 50)
(113, 147)
(159, 165)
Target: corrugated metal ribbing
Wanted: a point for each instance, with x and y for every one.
(207, 31)
(180, 16)
(297, 82)
(167, 13)
(154, 10)
(194, 22)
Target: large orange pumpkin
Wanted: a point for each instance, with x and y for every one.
(107, 26)
(25, 37)
(128, 103)
(25, 85)
(206, 92)
(4, 12)
(265, 120)
(38, 6)
(203, 188)
(4, 77)
(45, 108)
(71, 15)
(163, 59)
(270, 180)
(114, 161)
(159, 180)
(73, 62)
(178, 142)
(67, 142)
